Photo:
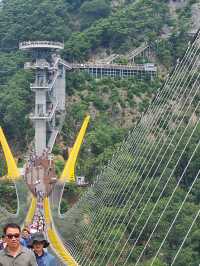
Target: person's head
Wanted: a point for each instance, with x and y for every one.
(38, 247)
(25, 233)
(12, 235)
(38, 243)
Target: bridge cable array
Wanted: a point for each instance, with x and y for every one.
(119, 220)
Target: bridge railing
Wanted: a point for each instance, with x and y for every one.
(40, 44)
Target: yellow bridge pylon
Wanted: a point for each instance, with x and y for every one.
(13, 172)
(68, 174)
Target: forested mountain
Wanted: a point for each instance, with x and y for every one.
(89, 29)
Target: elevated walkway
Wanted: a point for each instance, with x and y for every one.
(131, 55)
(109, 59)
(99, 69)
(115, 70)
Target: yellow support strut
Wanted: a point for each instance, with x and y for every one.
(13, 172)
(68, 174)
(31, 211)
(56, 243)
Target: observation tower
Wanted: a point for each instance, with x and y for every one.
(49, 89)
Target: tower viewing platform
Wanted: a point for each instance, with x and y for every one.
(41, 44)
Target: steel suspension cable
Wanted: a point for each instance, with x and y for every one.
(169, 201)
(183, 242)
(159, 165)
(163, 190)
(175, 218)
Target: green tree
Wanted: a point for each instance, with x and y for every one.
(27, 20)
(91, 11)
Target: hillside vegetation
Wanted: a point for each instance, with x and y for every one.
(88, 30)
(87, 27)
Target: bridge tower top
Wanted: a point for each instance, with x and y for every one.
(47, 45)
(41, 49)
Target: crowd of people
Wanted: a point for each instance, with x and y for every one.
(28, 247)
(38, 224)
(35, 160)
(40, 173)
(23, 248)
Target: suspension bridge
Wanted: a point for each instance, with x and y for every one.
(133, 213)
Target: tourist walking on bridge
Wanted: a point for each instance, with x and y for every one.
(2, 242)
(38, 244)
(26, 237)
(15, 253)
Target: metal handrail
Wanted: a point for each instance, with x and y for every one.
(42, 44)
(116, 66)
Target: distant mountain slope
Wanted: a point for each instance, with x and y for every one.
(88, 28)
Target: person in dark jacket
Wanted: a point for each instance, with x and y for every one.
(38, 243)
